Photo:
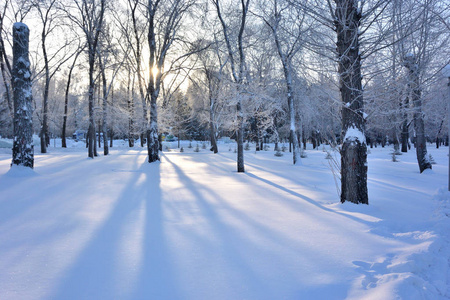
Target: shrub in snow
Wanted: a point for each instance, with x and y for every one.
(197, 149)
(431, 159)
(394, 157)
(278, 153)
(397, 152)
(181, 149)
(283, 148)
(266, 147)
(247, 146)
(190, 145)
(204, 146)
(303, 154)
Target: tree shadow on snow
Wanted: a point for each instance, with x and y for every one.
(118, 262)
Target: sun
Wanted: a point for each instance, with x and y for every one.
(155, 70)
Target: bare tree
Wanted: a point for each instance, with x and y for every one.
(66, 97)
(164, 22)
(416, 99)
(238, 70)
(5, 66)
(89, 18)
(17, 11)
(49, 13)
(136, 49)
(287, 24)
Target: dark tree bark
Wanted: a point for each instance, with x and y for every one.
(44, 127)
(212, 135)
(238, 78)
(93, 24)
(5, 66)
(153, 88)
(66, 101)
(212, 91)
(354, 148)
(130, 105)
(138, 57)
(419, 127)
(405, 135)
(286, 50)
(104, 107)
(23, 149)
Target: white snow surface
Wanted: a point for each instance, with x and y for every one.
(191, 227)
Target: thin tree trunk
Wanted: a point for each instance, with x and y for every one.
(240, 139)
(7, 92)
(238, 78)
(130, 105)
(44, 127)
(66, 100)
(104, 107)
(111, 131)
(296, 160)
(419, 127)
(91, 130)
(212, 107)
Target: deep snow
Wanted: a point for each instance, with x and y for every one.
(191, 227)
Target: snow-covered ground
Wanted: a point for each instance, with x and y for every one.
(191, 227)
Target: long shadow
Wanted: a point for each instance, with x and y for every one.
(305, 198)
(240, 250)
(394, 187)
(95, 273)
(230, 238)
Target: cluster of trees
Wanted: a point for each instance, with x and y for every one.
(348, 72)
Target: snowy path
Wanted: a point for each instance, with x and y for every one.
(190, 227)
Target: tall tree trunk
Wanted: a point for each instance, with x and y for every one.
(91, 130)
(354, 148)
(104, 107)
(419, 127)
(44, 127)
(212, 109)
(130, 105)
(66, 100)
(3, 66)
(296, 160)
(153, 90)
(111, 126)
(23, 151)
(240, 138)
(137, 55)
(237, 77)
